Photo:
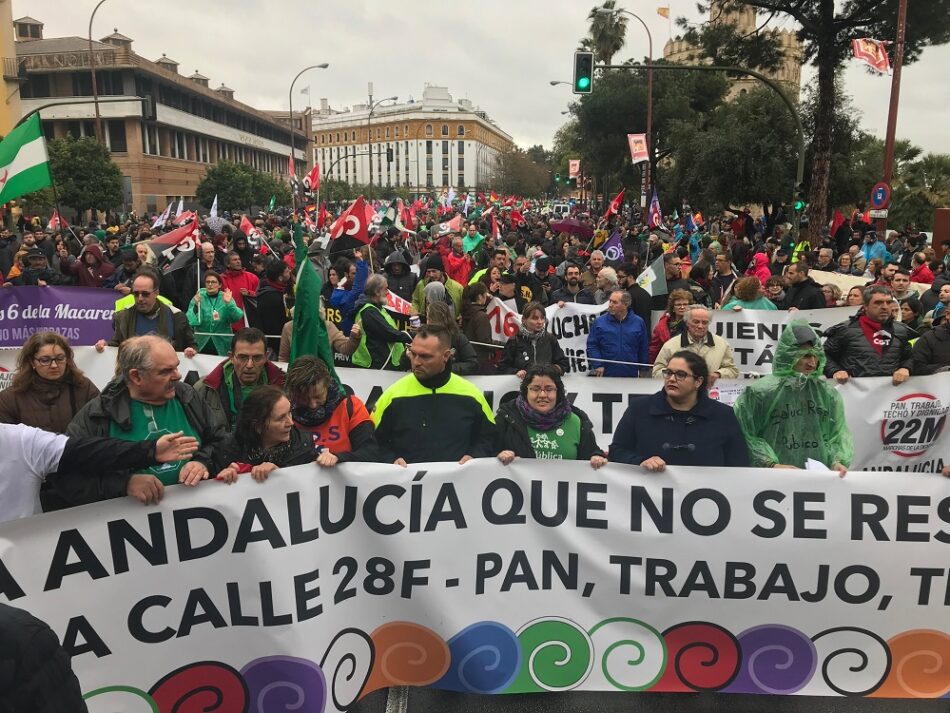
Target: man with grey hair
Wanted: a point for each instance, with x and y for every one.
(606, 282)
(826, 260)
(594, 266)
(381, 343)
(697, 338)
(144, 401)
(619, 341)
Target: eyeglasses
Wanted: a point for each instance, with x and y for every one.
(678, 375)
(143, 293)
(46, 360)
(542, 389)
(244, 358)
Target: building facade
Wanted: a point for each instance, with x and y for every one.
(162, 156)
(434, 143)
(789, 72)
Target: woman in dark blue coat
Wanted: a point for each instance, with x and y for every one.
(680, 425)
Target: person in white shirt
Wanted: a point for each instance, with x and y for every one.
(31, 454)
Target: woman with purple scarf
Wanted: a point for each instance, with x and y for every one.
(542, 423)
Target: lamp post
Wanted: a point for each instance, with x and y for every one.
(92, 64)
(290, 101)
(555, 82)
(648, 173)
(373, 106)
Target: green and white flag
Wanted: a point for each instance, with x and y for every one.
(24, 164)
(653, 279)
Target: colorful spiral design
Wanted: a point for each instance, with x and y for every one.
(557, 655)
(120, 698)
(348, 661)
(854, 662)
(632, 654)
(202, 687)
(920, 666)
(407, 654)
(702, 657)
(486, 658)
(284, 683)
(776, 659)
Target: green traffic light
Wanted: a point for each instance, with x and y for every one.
(799, 206)
(583, 82)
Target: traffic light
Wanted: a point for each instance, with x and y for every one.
(389, 155)
(583, 72)
(801, 198)
(557, 177)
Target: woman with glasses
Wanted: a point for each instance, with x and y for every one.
(211, 312)
(541, 423)
(48, 388)
(680, 424)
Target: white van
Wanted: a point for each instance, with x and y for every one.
(561, 210)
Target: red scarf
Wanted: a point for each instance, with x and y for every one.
(875, 334)
(281, 287)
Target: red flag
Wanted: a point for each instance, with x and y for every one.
(291, 169)
(322, 217)
(836, 222)
(614, 207)
(451, 226)
(185, 217)
(493, 197)
(516, 218)
(177, 247)
(352, 223)
(57, 222)
(872, 53)
(312, 181)
(494, 227)
(509, 201)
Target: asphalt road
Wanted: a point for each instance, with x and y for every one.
(433, 701)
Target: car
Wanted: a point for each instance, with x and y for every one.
(561, 210)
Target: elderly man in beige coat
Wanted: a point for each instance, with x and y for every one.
(697, 338)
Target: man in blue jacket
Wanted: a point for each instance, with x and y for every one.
(618, 336)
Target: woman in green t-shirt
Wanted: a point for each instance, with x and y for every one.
(542, 423)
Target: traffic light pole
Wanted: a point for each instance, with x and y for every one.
(790, 105)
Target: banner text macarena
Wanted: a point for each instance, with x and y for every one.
(329, 584)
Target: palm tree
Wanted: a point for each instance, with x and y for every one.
(607, 32)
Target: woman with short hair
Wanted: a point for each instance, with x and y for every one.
(541, 423)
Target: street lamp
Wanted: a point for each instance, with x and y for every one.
(373, 106)
(555, 82)
(290, 101)
(647, 176)
(92, 64)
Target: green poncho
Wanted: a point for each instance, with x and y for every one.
(789, 417)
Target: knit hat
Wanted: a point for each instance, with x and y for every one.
(434, 262)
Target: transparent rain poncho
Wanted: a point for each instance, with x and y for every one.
(788, 417)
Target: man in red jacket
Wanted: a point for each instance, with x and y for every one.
(921, 271)
(241, 283)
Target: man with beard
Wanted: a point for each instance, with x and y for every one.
(573, 290)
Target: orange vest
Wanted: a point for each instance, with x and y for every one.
(334, 433)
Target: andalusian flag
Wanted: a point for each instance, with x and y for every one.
(24, 165)
(309, 331)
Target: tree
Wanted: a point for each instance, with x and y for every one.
(86, 178)
(826, 28)
(745, 153)
(238, 187)
(518, 174)
(617, 106)
(265, 185)
(607, 32)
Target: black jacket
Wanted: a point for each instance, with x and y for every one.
(271, 314)
(513, 433)
(641, 303)
(847, 349)
(35, 675)
(298, 451)
(521, 353)
(581, 297)
(113, 405)
(806, 294)
(707, 435)
(932, 351)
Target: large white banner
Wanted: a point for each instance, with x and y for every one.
(900, 428)
(320, 586)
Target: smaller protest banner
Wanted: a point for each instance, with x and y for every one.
(83, 315)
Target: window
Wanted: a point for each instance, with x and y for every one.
(460, 130)
(323, 138)
(445, 147)
(35, 87)
(445, 163)
(428, 163)
(406, 133)
(445, 179)
(116, 133)
(429, 147)
(445, 129)
(461, 148)
(428, 129)
(337, 135)
(461, 165)
(379, 133)
(396, 132)
(387, 132)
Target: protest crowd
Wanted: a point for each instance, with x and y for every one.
(409, 289)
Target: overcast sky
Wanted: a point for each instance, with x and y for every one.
(500, 54)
